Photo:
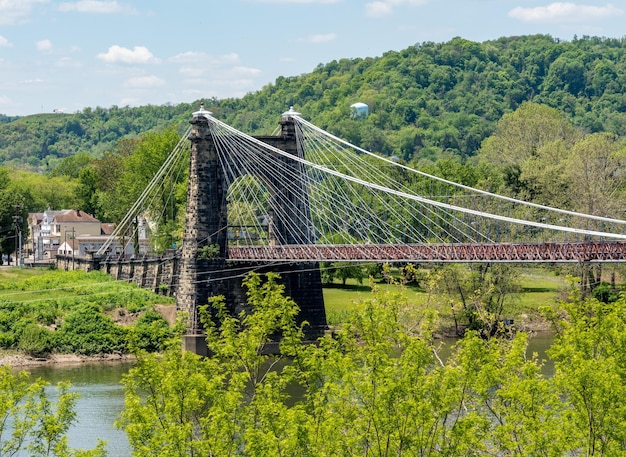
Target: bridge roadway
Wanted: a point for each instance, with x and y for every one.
(591, 251)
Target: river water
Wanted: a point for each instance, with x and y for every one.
(102, 397)
(101, 400)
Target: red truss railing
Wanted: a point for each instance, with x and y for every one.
(593, 251)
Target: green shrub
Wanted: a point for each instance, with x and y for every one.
(86, 330)
(46, 313)
(35, 340)
(151, 332)
(605, 293)
(7, 340)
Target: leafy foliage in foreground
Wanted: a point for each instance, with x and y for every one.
(378, 387)
(30, 422)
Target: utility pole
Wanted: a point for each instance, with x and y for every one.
(17, 220)
(136, 237)
(73, 244)
(72, 238)
(65, 251)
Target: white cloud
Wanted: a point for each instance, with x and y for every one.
(378, 9)
(118, 54)
(203, 59)
(246, 71)
(205, 75)
(68, 62)
(4, 43)
(323, 2)
(14, 12)
(564, 12)
(97, 7)
(382, 8)
(5, 101)
(43, 45)
(320, 38)
(144, 82)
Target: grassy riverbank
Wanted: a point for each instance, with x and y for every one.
(539, 287)
(52, 293)
(45, 313)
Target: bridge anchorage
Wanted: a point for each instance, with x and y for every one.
(204, 276)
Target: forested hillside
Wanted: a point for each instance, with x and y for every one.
(40, 142)
(426, 100)
(433, 97)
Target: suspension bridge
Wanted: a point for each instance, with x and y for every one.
(288, 201)
(329, 200)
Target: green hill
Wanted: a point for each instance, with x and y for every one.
(426, 101)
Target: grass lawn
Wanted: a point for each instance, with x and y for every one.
(19, 274)
(32, 285)
(539, 288)
(339, 300)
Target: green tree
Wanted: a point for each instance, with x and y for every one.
(348, 270)
(524, 412)
(72, 166)
(42, 191)
(378, 386)
(179, 405)
(594, 173)
(123, 175)
(476, 295)
(567, 73)
(590, 372)
(13, 210)
(520, 134)
(30, 422)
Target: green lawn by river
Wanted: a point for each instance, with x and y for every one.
(540, 286)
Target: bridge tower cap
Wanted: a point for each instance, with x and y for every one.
(202, 111)
(291, 113)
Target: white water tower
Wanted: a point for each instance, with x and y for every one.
(359, 110)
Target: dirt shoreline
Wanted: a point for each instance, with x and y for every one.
(17, 360)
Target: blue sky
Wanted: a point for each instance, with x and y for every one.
(68, 55)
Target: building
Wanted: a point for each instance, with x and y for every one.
(86, 245)
(50, 229)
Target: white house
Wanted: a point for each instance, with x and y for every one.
(84, 245)
(50, 229)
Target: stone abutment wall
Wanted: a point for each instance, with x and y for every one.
(156, 273)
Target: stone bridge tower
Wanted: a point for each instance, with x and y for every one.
(206, 225)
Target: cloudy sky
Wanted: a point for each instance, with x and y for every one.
(68, 55)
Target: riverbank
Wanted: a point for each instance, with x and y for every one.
(18, 360)
(525, 323)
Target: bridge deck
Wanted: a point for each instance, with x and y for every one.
(593, 251)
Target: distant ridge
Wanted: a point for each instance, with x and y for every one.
(426, 100)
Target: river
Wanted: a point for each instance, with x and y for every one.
(101, 400)
(102, 397)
